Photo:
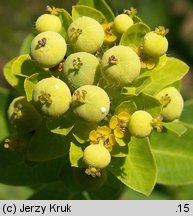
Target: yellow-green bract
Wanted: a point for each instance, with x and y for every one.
(140, 124)
(96, 156)
(120, 65)
(23, 116)
(52, 96)
(92, 103)
(48, 22)
(48, 49)
(86, 34)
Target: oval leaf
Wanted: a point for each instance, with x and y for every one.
(138, 169)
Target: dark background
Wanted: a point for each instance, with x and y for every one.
(17, 18)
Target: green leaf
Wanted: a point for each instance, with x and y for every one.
(52, 191)
(111, 190)
(15, 172)
(76, 155)
(187, 116)
(133, 37)
(14, 80)
(81, 10)
(146, 102)
(100, 5)
(46, 145)
(24, 66)
(138, 169)
(174, 157)
(25, 47)
(5, 99)
(175, 127)
(31, 81)
(126, 106)
(82, 129)
(171, 72)
(61, 125)
(66, 20)
(120, 149)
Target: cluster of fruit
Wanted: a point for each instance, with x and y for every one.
(91, 65)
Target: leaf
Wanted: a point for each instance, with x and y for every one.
(146, 102)
(100, 5)
(5, 99)
(46, 145)
(52, 191)
(31, 81)
(82, 129)
(15, 81)
(15, 172)
(120, 149)
(111, 190)
(126, 106)
(171, 72)
(24, 66)
(61, 125)
(138, 169)
(174, 157)
(76, 155)
(175, 127)
(81, 10)
(133, 37)
(66, 20)
(25, 47)
(187, 116)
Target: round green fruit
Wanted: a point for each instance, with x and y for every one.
(48, 22)
(140, 124)
(121, 23)
(96, 156)
(48, 49)
(155, 44)
(51, 96)
(91, 103)
(23, 116)
(81, 69)
(120, 65)
(86, 34)
(172, 102)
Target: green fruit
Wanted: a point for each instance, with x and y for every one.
(92, 103)
(23, 116)
(140, 124)
(155, 44)
(122, 22)
(120, 65)
(48, 22)
(172, 102)
(86, 34)
(48, 49)
(51, 96)
(81, 69)
(96, 156)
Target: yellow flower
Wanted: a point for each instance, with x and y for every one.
(103, 134)
(118, 124)
(110, 37)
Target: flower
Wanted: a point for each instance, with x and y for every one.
(110, 37)
(118, 123)
(104, 134)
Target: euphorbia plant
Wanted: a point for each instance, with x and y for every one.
(100, 103)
